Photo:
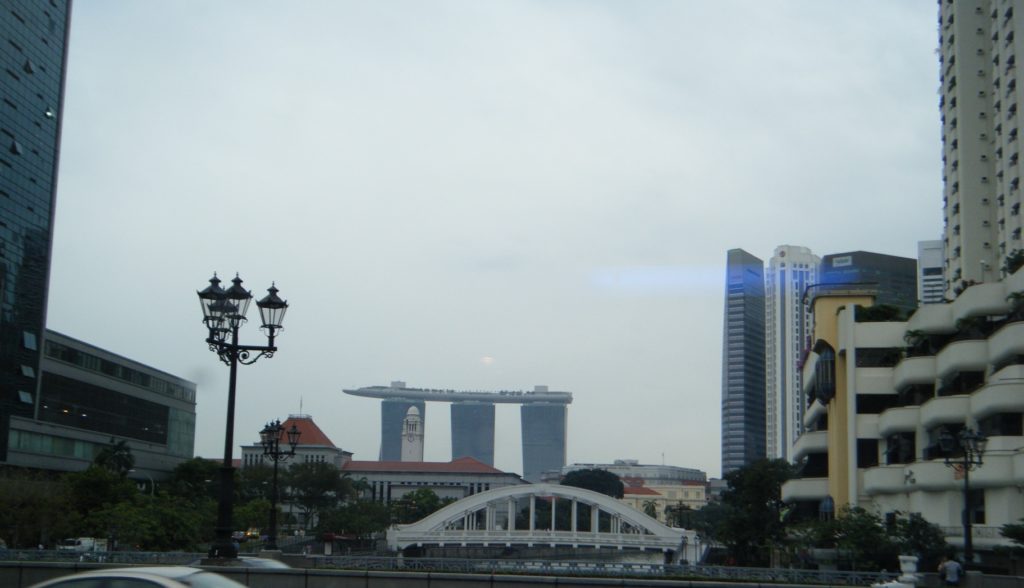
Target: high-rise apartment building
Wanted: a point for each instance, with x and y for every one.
(979, 101)
(743, 357)
(33, 58)
(931, 282)
(787, 324)
(894, 277)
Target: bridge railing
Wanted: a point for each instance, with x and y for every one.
(602, 568)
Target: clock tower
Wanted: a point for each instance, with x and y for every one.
(412, 435)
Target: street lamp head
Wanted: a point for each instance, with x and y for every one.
(212, 300)
(974, 443)
(267, 437)
(293, 436)
(272, 309)
(239, 299)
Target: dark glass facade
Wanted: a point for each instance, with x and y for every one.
(33, 57)
(544, 431)
(743, 362)
(473, 431)
(392, 414)
(66, 401)
(895, 277)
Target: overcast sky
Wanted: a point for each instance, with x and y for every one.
(478, 195)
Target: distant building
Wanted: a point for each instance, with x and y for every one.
(788, 322)
(34, 59)
(743, 361)
(894, 277)
(473, 431)
(543, 414)
(314, 447)
(89, 396)
(931, 281)
(391, 480)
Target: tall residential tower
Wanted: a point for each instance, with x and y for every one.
(790, 271)
(743, 381)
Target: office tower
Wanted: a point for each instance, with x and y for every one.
(473, 431)
(743, 357)
(894, 277)
(412, 436)
(543, 431)
(33, 58)
(787, 324)
(981, 151)
(392, 418)
(931, 286)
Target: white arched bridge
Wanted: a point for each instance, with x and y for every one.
(543, 515)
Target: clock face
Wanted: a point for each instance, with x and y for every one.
(410, 437)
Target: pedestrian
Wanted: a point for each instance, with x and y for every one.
(950, 571)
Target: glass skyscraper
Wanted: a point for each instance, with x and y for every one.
(544, 428)
(392, 415)
(743, 362)
(473, 431)
(895, 277)
(33, 57)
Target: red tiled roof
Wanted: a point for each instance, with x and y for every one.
(463, 465)
(640, 491)
(310, 433)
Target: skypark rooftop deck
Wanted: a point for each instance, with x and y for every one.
(436, 395)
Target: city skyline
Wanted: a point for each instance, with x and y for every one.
(479, 197)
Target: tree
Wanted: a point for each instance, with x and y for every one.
(195, 480)
(116, 457)
(417, 504)
(916, 536)
(315, 487)
(651, 509)
(601, 481)
(359, 519)
(749, 521)
(95, 488)
(34, 509)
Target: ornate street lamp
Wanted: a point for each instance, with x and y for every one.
(971, 446)
(270, 439)
(223, 314)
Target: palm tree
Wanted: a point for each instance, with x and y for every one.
(116, 457)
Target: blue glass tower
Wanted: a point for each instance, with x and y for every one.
(33, 58)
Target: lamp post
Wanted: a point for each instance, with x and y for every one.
(971, 446)
(270, 438)
(223, 313)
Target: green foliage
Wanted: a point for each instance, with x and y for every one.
(601, 481)
(316, 487)
(256, 482)
(160, 523)
(1014, 532)
(96, 488)
(359, 519)
(194, 480)
(253, 514)
(651, 509)
(116, 457)
(749, 519)
(34, 509)
(916, 536)
(1014, 261)
(417, 504)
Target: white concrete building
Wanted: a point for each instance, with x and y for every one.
(787, 323)
(457, 479)
(313, 447)
(882, 393)
(978, 46)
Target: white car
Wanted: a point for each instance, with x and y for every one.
(143, 577)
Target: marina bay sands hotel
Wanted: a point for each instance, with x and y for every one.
(542, 413)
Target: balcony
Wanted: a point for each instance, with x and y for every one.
(997, 397)
(813, 442)
(887, 479)
(981, 300)
(815, 411)
(898, 420)
(874, 380)
(933, 476)
(933, 319)
(945, 409)
(962, 356)
(1006, 342)
(805, 489)
(914, 370)
(808, 372)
